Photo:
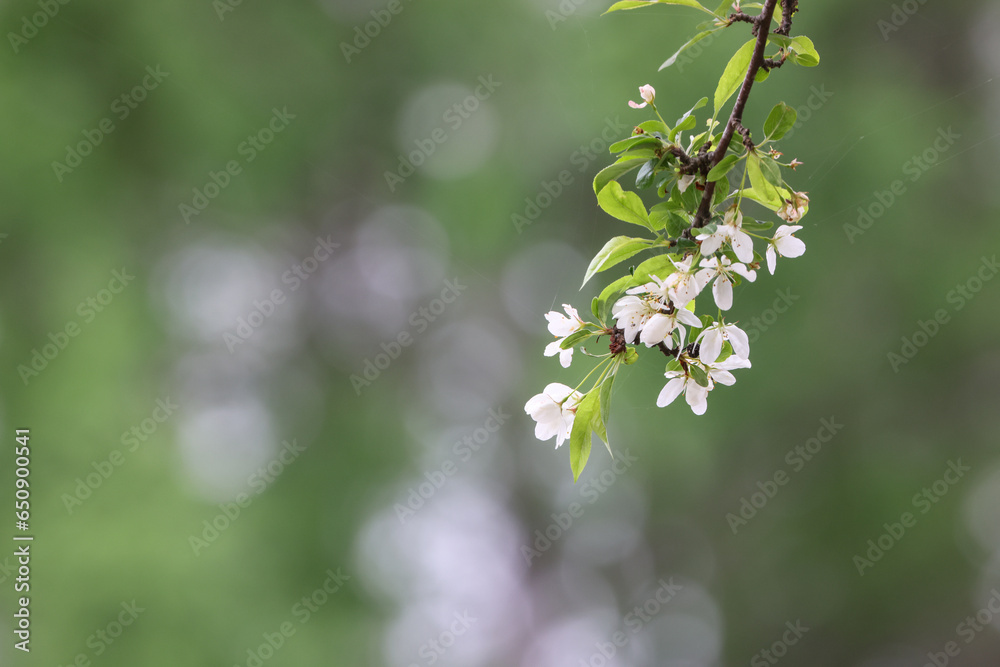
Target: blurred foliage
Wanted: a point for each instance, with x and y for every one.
(827, 356)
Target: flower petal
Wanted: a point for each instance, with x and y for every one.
(669, 392)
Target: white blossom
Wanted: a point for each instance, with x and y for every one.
(794, 208)
(662, 325)
(730, 231)
(713, 337)
(681, 382)
(683, 286)
(722, 270)
(562, 326)
(647, 93)
(784, 244)
(554, 411)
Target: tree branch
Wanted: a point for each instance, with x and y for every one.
(762, 24)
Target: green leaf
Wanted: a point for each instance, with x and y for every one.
(644, 178)
(767, 200)
(613, 289)
(721, 193)
(579, 438)
(805, 53)
(623, 204)
(601, 415)
(687, 121)
(635, 4)
(651, 126)
(616, 170)
(614, 251)
(779, 121)
(691, 42)
(663, 216)
(674, 365)
(721, 169)
(596, 307)
(771, 171)
(698, 374)
(765, 192)
(733, 75)
(574, 339)
(749, 225)
(637, 140)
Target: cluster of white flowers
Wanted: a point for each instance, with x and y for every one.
(660, 313)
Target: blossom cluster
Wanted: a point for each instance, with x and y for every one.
(702, 243)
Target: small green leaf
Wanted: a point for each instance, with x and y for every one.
(732, 76)
(623, 204)
(750, 225)
(635, 4)
(688, 44)
(721, 169)
(674, 365)
(597, 307)
(637, 140)
(779, 121)
(579, 438)
(698, 374)
(644, 178)
(664, 216)
(614, 251)
(614, 171)
(805, 53)
(574, 339)
(651, 126)
(687, 121)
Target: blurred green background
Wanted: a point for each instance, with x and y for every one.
(382, 520)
